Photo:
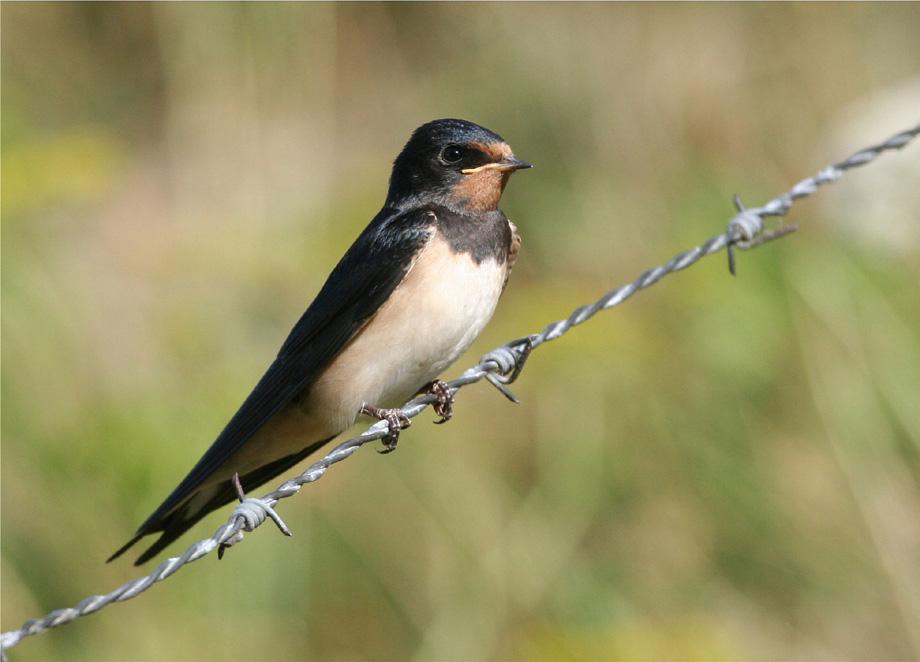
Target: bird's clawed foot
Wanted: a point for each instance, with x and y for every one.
(445, 399)
(394, 418)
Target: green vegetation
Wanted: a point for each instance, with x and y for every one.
(720, 469)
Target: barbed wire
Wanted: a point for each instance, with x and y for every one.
(500, 367)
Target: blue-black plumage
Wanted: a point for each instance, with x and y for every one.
(406, 300)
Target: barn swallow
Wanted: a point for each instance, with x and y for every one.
(407, 299)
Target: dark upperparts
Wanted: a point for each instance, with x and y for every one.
(454, 163)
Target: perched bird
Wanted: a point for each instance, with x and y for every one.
(407, 299)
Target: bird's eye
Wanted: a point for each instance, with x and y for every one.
(452, 154)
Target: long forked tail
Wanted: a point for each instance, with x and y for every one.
(201, 503)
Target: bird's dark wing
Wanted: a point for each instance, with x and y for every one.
(180, 520)
(361, 282)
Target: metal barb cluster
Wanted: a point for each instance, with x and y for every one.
(500, 367)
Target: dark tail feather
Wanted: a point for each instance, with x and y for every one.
(179, 520)
(128, 545)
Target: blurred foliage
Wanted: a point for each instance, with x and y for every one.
(719, 469)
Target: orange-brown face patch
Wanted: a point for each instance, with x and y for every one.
(482, 190)
(495, 151)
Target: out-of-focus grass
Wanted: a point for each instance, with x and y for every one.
(719, 469)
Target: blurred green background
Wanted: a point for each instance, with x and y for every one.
(719, 469)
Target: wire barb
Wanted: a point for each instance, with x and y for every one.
(510, 358)
(743, 231)
(251, 513)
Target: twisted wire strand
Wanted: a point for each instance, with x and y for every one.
(745, 230)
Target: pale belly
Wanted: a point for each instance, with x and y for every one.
(428, 322)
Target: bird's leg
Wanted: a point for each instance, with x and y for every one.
(394, 418)
(445, 399)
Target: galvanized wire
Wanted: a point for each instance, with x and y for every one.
(500, 366)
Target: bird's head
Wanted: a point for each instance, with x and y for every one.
(455, 163)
